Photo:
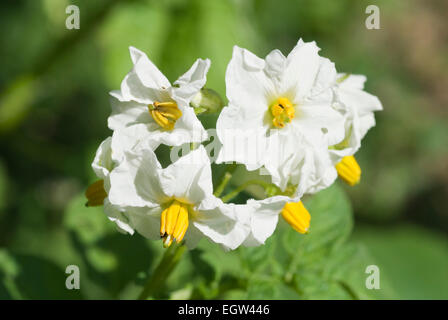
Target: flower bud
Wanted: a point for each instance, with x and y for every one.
(207, 101)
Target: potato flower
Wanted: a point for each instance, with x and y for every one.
(172, 203)
(147, 97)
(280, 116)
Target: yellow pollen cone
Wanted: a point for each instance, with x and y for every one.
(95, 194)
(349, 171)
(282, 112)
(297, 216)
(174, 223)
(165, 114)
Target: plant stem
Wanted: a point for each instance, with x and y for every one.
(225, 180)
(235, 192)
(169, 261)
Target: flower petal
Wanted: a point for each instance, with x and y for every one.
(319, 122)
(218, 222)
(118, 217)
(189, 178)
(302, 66)
(243, 140)
(192, 81)
(263, 218)
(127, 113)
(247, 85)
(135, 182)
(103, 164)
(149, 75)
(146, 221)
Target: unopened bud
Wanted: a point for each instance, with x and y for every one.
(207, 101)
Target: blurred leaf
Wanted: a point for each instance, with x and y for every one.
(89, 223)
(4, 187)
(261, 287)
(415, 260)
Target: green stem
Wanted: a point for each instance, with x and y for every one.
(235, 192)
(225, 180)
(169, 261)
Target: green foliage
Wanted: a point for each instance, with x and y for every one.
(319, 265)
(416, 269)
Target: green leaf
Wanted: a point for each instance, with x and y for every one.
(414, 260)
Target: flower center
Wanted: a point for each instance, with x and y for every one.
(349, 170)
(174, 223)
(95, 194)
(165, 114)
(297, 216)
(282, 112)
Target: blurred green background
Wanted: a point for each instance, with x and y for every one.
(54, 86)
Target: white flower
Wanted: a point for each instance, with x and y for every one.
(280, 112)
(110, 154)
(147, 97)
(172, 202)
(357, 107)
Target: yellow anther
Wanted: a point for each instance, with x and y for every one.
(278, 123)
(284, 102)
(165, 114)
(297, 216)
(349, 170)
(282, 112)
(174, 223)
(276, 110)
(163, 222)
(95, 194)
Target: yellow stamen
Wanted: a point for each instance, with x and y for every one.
(349, 170)
(165, 114)
(174, 223)
(95, 194)
(297, 216)
(282, 112)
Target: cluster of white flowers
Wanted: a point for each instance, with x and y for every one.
(293, 117)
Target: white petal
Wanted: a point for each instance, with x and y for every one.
(247, 85)
(302, 66)
(218, 222)
(189, 178)
(127, 113)
(319, 122)
(275, 64)
(103, 164)
(192, 81)
(317, 173)
(353, 81)
(131, 138)
(146, 221)
(135, 182)
(324, 82)
(192, 237)
(366, 122)
(149, 75)
(360, 100)
(243, 140)
(118, 217)
(263, 218)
